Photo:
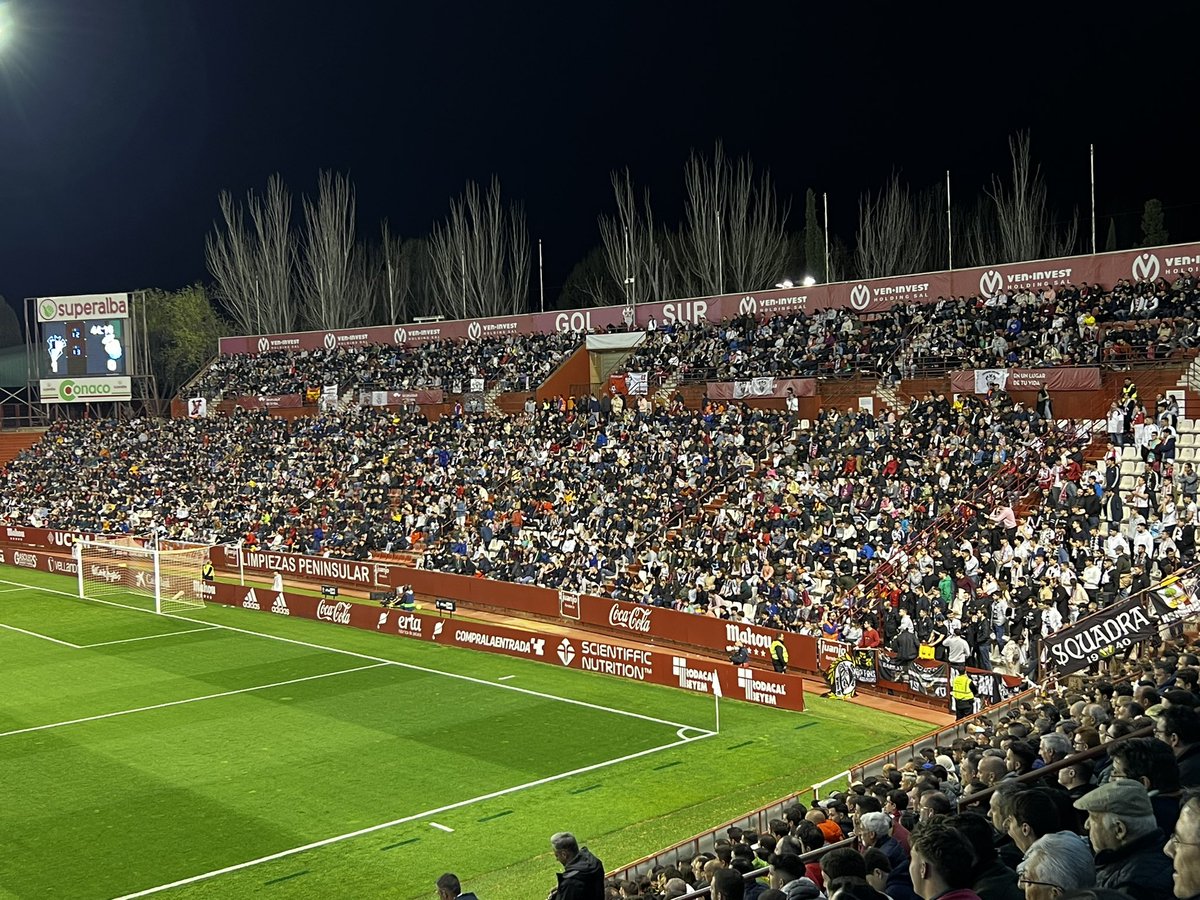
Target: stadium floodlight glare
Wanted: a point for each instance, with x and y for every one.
(809, 281)
(786, 283)
(8, 24)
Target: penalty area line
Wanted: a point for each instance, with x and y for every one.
(148, 637)
(380, 659)
(169, 703)
(283, 854)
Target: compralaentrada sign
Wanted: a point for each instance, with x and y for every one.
(636, 663)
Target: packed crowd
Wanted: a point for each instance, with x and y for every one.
(1067, 325)
(513, 362)
(1051, 798)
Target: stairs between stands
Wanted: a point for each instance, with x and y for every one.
(1191, 377)
(490, 407)
(13, 442)
(662, 397)
(890, 398)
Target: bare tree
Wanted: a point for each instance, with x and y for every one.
(895, 231)
(253, 266)
(734, 234)
(636, 252)
(394, 277)
(480, 256)
(1025, 229)
(332, 281)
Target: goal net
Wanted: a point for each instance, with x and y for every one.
(166, 577)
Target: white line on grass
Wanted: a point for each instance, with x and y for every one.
(505, 677)
(44, 637)
(442, 828)
(12, 590)
(148, 637)
(129, 712)
(703, 732)
(421, 815)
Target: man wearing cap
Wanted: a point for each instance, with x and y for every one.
(582, 877)
(1184, 848)
(1126, 839)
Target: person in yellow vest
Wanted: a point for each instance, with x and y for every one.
(207, 572)
(964, 697)
(779, 654)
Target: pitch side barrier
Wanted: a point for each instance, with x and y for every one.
(634, 663)
(1145, 264)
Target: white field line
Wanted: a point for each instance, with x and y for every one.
(421, 815)
(12, 590)
(444, 828)
(703, 732)
(148, 637)
(44, 637)
(129, 712)
(506, 677)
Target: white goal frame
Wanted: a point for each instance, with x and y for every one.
(170, 572)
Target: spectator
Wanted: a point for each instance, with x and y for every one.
(942, 863)
(1179, 728)
(846, 870)
(879, 869)
(877, 833)
(991, 879)
(448, 888)
(1076, 779)
(1183, 848)
(582, 877)
(1056, 865)
(1151, 763)
(727, 885)
(1034, 814)
(1126, 839)
(787, 875)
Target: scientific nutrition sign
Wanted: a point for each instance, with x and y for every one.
(636, 663)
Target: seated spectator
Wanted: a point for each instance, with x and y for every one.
(1127, 840)
(1183, 848)
(846, 875)
(1055, 866)
(991, 879)
(1179, 728)
(787, 875)
(1151, 763)
(1034, 814)
(942, 863)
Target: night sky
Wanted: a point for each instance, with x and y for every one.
(121, 120)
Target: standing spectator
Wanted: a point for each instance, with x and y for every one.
(448, 888)
(941, 865)
(582, 877)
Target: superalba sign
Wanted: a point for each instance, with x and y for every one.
(84, 306)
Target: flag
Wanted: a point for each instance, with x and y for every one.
(716, 684)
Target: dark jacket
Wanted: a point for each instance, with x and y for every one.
(583, 878)
(899, 884)
(1189, 766)
(801, 889)
(1140, 868)
(998, 882)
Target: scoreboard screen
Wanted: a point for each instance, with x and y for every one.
(87, 347)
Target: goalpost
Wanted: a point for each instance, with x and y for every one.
(167, 572)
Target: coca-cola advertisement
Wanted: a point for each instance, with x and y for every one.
(633, 662)
(630, 618)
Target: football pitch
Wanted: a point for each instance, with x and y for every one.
(230, 753)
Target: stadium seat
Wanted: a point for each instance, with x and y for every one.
(1129, 452)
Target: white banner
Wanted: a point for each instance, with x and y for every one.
(986, 379)
(84, 306)
(197, 408)
(763, 386)
(637, 384)
(86, 390)
(476, 386)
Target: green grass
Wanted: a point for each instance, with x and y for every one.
(117, 804)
